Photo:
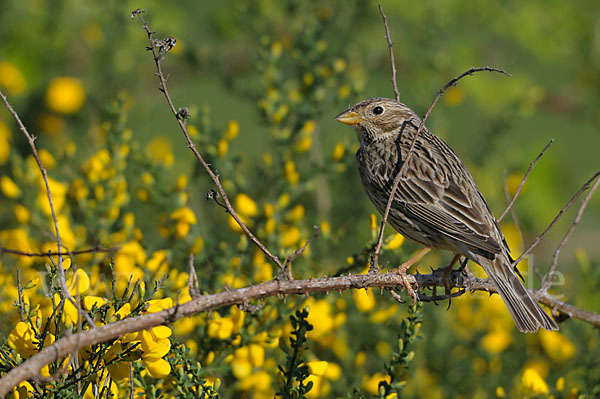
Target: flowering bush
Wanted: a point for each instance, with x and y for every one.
(131, 209)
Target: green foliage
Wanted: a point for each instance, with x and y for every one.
(292, 377)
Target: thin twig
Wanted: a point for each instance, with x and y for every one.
(181, 116)
(548, 278)
(98, 249)
(585, 186)
(531, 165)
(405, 162)
(61, 271)
(517, 224)
(388, 38)
(193, 285)
(288, 262)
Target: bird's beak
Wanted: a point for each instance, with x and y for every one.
(349, 117)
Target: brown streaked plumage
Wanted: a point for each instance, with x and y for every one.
(437, 202)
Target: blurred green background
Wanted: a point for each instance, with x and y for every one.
(497, 124)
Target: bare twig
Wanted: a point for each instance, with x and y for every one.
(405, 162)
(98, 248)
(298, 252)
(585, 186)
(548, 278)
(193, 285)
(531, 165)
(61, 272)
(181, 116)
(68, 344)
(388, 38)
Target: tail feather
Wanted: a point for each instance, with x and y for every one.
(526, 313)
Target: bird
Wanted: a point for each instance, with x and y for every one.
(436, 203)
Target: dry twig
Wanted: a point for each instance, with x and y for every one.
(61, 271)
(388, 38)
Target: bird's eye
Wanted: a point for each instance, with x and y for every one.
(378, 110)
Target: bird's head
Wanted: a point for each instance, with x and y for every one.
(376, 118)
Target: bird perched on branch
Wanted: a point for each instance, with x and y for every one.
(436, 202)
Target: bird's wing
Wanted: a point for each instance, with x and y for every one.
(437, 190)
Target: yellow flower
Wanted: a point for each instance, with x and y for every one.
(220, 327)
(22, 338)
(157, 305)
(21, 214)
(296, 213)
(364, 300)
(500, 393)
(533, 382)
(395, 242)
(496, 341)
(308, 79)
(371, 384)
(556, 346)
(344, 91)
(90, 300)
(338, 152)
(184, 217)
(222, 147)
(160, 150)
(9, 187)
(58, 190)
(51, 124)
(65, 95)
(245, 205)
(233, 129)
(79, 283)
(454, 96)
(4, 143)
(304, 144)
(290, 236)
(317, 368)
(46, 158)
(11, 79)
(290, 172)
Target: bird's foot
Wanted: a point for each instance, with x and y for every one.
(401, 270)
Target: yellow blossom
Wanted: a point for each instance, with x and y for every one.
(90, 300)
(4, 143)
(560, 384)
(157, 305)
(304, 144)
(222, 147)
(9, 187)
(157, 260)
(317, 368)
(280, 113)
(454, 96)
(58, 190)
(395, 242)
(290, 235)
(46, 158)
(496, 341)
(157, 367)
(65, 95)
(184, 217)
(160, 150)
(500, 393)
(51, 124)
(371, 384)
(338, 152)
(533, 382)
(198, 245)
(220, 328)
(233, 129)
(556, 345)
(296, 213)
(364, 300)
(344, 91)
(290, 172)
(308, 79)
(245, 205)
(22, 214)
(11, 79)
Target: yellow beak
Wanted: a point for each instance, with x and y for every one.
(349, 117)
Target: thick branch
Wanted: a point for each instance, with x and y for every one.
(69, 344)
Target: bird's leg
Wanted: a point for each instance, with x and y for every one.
(446, 270)
(401, 270)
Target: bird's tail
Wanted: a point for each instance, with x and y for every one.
(526, 313)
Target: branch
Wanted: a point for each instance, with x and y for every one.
(158, 48)
(96, 249)
(388, 38)
(72, 343)
(531, 165)
(548, 278)
(470, 71)
(61, 272)
(585, 186)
